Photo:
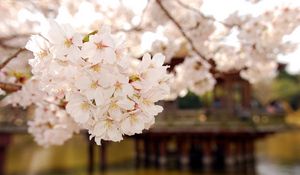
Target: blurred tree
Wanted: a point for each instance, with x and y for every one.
(190, 101)
(286, 87)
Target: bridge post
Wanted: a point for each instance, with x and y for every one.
(5, 139)
(162, 158)
(207, 154)
(184, 147)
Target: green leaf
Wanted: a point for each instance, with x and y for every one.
(87, 37)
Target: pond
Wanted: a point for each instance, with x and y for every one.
(278, 154)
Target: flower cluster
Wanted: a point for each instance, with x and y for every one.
(253, 47)
(51, 125)
(193, 74)
(105, 92)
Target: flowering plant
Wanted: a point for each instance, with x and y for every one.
(88, 81)
(91, 84)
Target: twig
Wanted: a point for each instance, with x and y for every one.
(10, 37)
(7, 60)
(202, 15)
(180, 29)
(6, 46)
(10, 87)
(194, 10)
(138, 27)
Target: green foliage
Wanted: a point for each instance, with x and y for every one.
(285, 75)
(190, 101)
(87, 37)
(285, 87)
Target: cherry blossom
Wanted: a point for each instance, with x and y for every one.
(193, 74)
(101, 92)
(51, 126)
(94, 73)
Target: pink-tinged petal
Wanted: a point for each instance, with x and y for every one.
(108, 40)
(81, 117)
(158, 59)
(114, 134)
(54, 33)
(100, 128)
(126, 126)
(115, 113)
(99, 98)
(83, 83)
(106, 79)
(144, 64)
(109, 55)
(126, 104)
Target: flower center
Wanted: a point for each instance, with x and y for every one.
(147, 102)
(85, 106)
(101, 45)
(108, 123)
(113, 105)
(94, 84)
(68, 42)
(118, 85)
(42, 54)
(133, 119)
(96, 68)
(134, 77)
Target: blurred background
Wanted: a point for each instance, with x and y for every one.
(235, 95)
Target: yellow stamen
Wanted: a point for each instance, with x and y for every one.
(96, 68)
(108, 123)
(113, 105)
(147, 102)
(42, 54)
(100, 45)
(85, 106)
(68, 42)
(94, 84)
(49, 125)
(118, 85)
(133, 119)
(134, 77)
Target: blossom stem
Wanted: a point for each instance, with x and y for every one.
(10, 87)
(186, 6)
(181, 30)
(7, 60)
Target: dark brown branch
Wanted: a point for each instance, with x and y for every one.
(180, 29)
(10, 87)
(7, 60)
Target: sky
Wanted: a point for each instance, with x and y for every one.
(220, 9)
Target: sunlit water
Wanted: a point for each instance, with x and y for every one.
(278, 154)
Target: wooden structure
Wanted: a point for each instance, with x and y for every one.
(224, 137)
(193, 145)
(198, 139)
(4, 142)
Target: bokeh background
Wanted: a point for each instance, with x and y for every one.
(243, 117)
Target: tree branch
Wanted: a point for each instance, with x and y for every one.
(138, 27)
(10, 87)
(10, 37)
(7, 60)
(180, 29)
(202, 15)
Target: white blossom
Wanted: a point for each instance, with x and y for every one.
(100, 90)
